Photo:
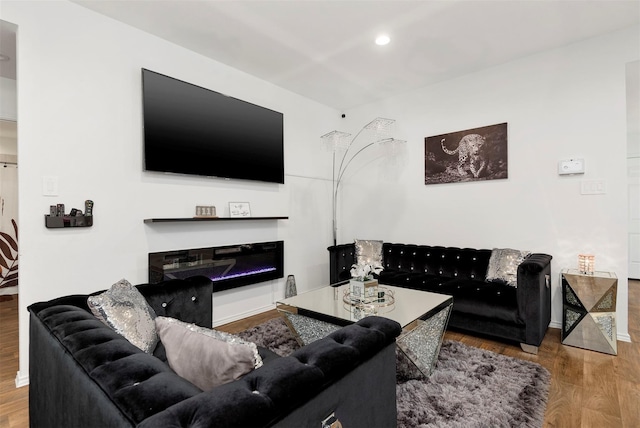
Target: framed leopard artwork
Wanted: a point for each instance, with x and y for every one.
(471, 155)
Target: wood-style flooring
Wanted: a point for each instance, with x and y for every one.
(588, 389)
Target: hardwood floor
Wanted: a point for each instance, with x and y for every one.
(14, 402)
(588, 389)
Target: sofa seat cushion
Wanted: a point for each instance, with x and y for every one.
(483, 299)
(473, 297)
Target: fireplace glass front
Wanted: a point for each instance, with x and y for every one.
(228, 267)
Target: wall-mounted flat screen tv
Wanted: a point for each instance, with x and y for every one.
(192, 130)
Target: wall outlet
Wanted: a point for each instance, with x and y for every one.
(593, 187)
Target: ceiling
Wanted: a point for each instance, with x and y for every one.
(325, 50)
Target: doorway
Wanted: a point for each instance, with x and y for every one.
(633, 166)
(8, 163)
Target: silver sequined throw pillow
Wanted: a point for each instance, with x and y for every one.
(125, 310)
(503, 265)
(368, 252)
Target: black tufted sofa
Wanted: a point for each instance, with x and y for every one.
(83, 374)
(519, 314)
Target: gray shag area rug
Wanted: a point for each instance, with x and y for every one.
(470, 387)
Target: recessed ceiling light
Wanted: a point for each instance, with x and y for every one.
(382, 40)
(4, 57)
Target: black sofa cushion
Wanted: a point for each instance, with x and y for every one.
(484, 299)
(449, 262)
(141, 387)
(188, 300)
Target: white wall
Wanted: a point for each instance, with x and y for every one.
(79, 103)
(559, 104)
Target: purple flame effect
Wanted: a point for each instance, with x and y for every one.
(241, 274)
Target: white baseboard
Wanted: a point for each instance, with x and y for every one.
(242, 315)
(624, 337)
(22, 379)
(9, 290)
(621, 337)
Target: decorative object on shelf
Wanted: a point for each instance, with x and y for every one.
(586, 263)
(206, 211)
(239, 209)
(57, 218)
(377, 131)
(470, 155)
(290, 287)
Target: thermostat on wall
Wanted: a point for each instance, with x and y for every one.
(571, 166)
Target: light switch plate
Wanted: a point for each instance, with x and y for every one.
(571, 166)
(593, 187)
(49, 185)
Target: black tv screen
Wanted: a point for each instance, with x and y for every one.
(192, 130)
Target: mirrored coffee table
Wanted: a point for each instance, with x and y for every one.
(423, 316)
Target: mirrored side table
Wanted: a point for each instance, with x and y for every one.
(589, 310)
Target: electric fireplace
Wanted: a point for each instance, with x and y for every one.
(228, 267)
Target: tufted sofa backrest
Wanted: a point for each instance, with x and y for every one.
(188, 300)
(450, 262)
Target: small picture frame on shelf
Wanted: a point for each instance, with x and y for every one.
(239, 209)
(206, 211)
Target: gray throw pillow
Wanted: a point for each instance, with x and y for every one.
(125, 310)
(203, 356)
(503, 265)
(368, 252)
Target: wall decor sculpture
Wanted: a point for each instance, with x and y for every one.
(476, 154)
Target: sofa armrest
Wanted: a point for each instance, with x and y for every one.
(534, 296)
(305, 387)
(341, 258)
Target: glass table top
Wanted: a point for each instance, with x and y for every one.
(408, 306)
